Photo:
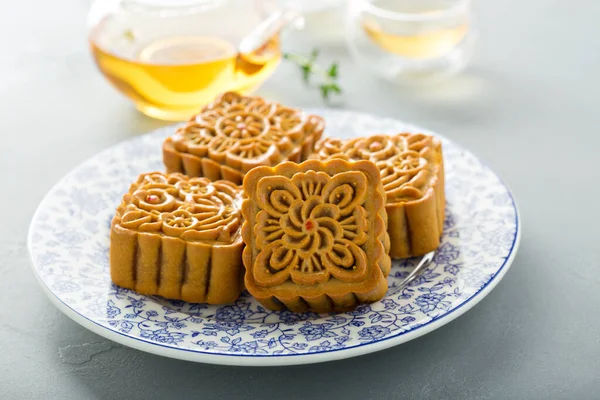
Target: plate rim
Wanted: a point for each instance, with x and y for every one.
(279, 359)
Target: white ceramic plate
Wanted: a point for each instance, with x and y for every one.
(69, 239)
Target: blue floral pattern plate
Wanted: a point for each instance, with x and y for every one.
(69, 239)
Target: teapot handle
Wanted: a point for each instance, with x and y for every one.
(275, 23)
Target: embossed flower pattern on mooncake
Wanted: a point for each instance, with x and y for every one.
(243, 127)
(401, 159)
(236, 133)
(193, 209)
(310, 228)
(141, 220)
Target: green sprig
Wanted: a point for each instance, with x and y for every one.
(328, 83)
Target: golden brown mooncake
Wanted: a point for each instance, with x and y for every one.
(179, 238)
(315, 235)
(234, 134)
(412, 173)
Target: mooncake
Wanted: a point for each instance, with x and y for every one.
(179, 238)
(235, 133)
(315, 235)
(412, 173)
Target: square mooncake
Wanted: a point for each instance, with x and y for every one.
(315, 235)
(236, 133)
(412, 172)
(179, 238)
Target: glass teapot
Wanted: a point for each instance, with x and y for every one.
(170, 57)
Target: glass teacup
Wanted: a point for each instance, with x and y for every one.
(410, 41)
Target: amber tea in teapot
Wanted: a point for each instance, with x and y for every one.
(172, 57)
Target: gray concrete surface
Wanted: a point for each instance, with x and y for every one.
(528, 104)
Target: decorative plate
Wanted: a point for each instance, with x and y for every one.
(69, 238)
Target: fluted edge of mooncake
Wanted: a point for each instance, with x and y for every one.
(195, 272)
